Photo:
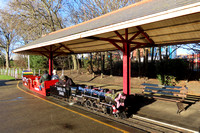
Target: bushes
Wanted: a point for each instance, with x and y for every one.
(178, 68)
(38, 62)
(167, 80)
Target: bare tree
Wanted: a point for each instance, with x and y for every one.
(7, 35)
(38, 17)
(195, 48)
(83, 10)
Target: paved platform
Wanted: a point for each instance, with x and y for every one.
(21, 112)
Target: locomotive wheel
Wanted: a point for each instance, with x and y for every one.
(104, 110)
(116, 115)
(95, 106)
(88, 104)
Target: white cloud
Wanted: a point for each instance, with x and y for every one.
(182, 51)
(3, 3)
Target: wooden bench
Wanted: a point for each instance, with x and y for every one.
(178, 94)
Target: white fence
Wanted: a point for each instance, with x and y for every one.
(16, 72)
(13, 72)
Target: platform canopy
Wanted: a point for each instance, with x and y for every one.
(148, 23)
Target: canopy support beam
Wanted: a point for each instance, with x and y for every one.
(141, 30)
(126, 66)
(67, 48)
(58, 55)
(50, 61)
(46, 49)
(57, 48)
(117, 46)
(126, 52)
(42, 54)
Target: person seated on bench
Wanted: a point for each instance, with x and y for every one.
(65, 81)
(44, 77)
(55, 76)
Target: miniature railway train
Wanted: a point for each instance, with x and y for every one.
(107, 101)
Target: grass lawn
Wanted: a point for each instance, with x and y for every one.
(5, 77)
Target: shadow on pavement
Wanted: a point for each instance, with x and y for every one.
(68, 126)
(136, 102)
(3, 82)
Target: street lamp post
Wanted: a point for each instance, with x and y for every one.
(28, 62)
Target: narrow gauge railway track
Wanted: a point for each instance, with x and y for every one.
(138, 122)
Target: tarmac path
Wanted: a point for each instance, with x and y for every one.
(22, 113)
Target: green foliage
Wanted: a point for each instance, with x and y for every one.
(175, 67)
(11, 63)
(38, 62)
(167, 80)
(86, 63)
(178, 68)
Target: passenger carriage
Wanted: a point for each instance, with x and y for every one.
(32, 82)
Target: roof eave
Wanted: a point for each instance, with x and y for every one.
(181, 11)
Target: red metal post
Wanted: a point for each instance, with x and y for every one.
(126, 66)
(50, 63)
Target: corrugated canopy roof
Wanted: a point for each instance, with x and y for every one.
(153, 22)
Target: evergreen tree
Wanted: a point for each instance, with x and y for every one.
(38, 62)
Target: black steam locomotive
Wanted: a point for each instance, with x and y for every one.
(107, 101)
